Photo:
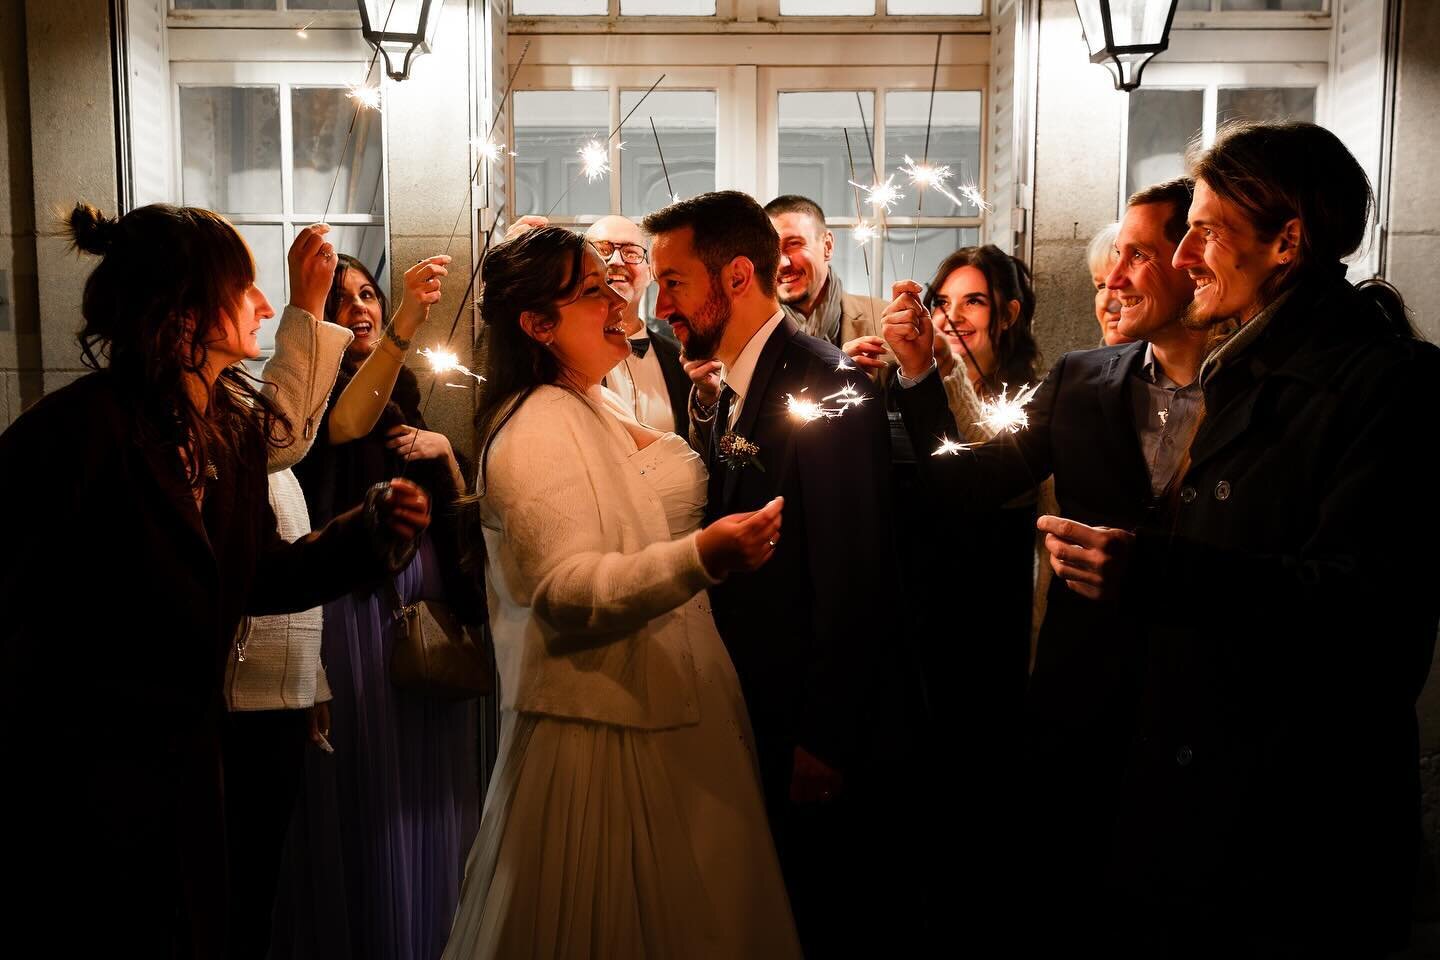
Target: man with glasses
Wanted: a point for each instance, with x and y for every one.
(651, 380)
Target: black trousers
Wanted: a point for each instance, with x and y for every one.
(264, 761)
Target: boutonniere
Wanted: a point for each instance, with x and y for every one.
(737, 452)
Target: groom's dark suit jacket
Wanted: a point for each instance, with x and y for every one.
(1084, 690)
(807, 630)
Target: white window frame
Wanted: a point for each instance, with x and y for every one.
(1209, 78)
(751, 16)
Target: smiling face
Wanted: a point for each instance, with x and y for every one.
(630, 280)
(587, 335)
(359, 310)
(963, 315)
(689, 299)
(1227, 260)
(805, 251)
(1107, 312)
(1152, 293)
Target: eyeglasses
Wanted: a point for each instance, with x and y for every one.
(629, 252)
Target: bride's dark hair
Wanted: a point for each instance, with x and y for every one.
(529, 274)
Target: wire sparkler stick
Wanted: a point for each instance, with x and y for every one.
(925, 157)
(875, 174)
(488, 149)
(464, 300)
(674, 197)
(869, 232)
(371, 97)
(608, 137)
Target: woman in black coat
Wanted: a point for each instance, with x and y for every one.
(140, 535)
(1271, 805)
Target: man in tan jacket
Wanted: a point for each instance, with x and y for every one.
(811, 294)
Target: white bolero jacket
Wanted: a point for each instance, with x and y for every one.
(589, 597)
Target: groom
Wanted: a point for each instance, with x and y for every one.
(808, 631)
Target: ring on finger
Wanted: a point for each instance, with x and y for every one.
(771, 542)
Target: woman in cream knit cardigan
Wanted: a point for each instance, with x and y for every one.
(625, 817)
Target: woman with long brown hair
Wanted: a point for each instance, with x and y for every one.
(140, 535)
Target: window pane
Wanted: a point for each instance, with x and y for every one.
(267, 245)
(936, 243)
(855, 264)
(558, 8)
(685, 122)
(1265, 103)
(955, 8)
(827, 8)
(813, 159)
(667, 8)
(1272, 4)
(1194, 5)
(320, 117)
(226, 5)
(550, 128)
(230, 148)
(954, 142)
(1161, 124)
(322, 5)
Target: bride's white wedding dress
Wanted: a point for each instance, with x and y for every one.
(608, 841)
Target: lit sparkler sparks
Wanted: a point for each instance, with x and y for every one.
(808, 411)
(951, 447)
(1006, 412)
(445, 361)
(865, 233)
(364, 94)
(301, 33)
(488, 149)
(881, 196)
(972, 193)
(595, 159)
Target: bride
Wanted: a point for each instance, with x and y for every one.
(624, 818)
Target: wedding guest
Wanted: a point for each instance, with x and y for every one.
(376, 860)
(1271, 801)
(625, 817)
(275, 686)
(1107, 425)
(142, 486)
(1101, 256)
(651, 382)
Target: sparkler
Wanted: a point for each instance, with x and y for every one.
(595, 160)
(360, 100)
(865, 233)
(1005, 412)
(674, 197)
(301, 33)
(445, 361)
(881, 196)
(806, 410)
(598, 143)
(951, 447)
(364, 94)
(930, 176)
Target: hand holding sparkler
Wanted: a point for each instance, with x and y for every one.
(740, 542)
(867, 352)
(422, 290)
(1093, 561)
(312, 269)
(908, 329)
(705, 375)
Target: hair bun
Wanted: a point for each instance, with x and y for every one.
(90, 230)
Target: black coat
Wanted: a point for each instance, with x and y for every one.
(1083, 692)
(120, 603)
(1291, 614)
(809, 655)
(677, 382)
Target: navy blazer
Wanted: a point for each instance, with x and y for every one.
(803, 629)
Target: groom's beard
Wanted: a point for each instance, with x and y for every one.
(707, 326)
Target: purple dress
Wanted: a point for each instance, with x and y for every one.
(377, 846)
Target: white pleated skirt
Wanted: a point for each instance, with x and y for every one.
(599, 841)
